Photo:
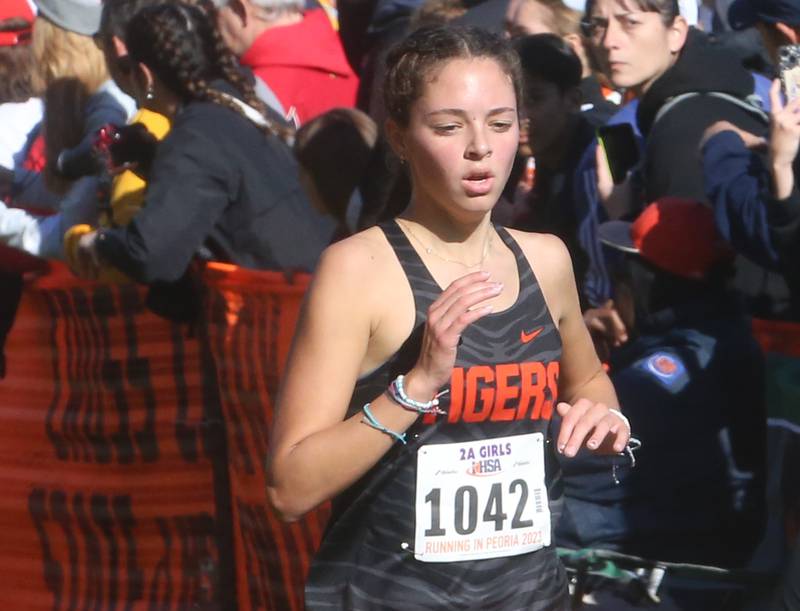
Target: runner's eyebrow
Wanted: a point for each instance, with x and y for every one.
(464, 113)
(602, 19)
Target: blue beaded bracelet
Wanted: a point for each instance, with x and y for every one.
(370, 420)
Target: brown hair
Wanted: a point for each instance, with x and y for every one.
(565, 20)
(16, 70)
(60, 53)
(63, 126)
(410, 63)
(436, 12)
(16, 62)
(335, 149)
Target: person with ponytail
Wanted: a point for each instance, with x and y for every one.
(223, 184)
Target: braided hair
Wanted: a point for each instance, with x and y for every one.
(181, 45)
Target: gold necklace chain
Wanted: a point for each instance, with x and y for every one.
(428, 249)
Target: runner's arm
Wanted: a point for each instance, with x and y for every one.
(316, 453)
(586, 393)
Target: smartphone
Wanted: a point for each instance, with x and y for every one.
(621, 149)
(789, 68)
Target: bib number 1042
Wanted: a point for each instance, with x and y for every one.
(481, 499)
(468, 509)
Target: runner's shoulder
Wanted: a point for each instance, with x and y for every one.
(543, 250)
(356, 262)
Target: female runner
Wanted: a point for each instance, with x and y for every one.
(441, 502)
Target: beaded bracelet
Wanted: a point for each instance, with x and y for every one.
(398, 395)
(370, 420)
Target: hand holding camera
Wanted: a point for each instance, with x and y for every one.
(129, 147)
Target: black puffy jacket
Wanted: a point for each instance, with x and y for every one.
(219, 187)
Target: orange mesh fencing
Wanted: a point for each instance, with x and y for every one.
(132, 451)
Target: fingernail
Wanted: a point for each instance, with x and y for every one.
(570, 451)
(561, 448)
(592, 444)
(619, 447)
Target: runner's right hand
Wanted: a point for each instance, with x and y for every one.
(461, 304)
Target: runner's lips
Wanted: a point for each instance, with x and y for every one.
(479, 175)
(478, 182)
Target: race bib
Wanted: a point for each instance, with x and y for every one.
(481, 499)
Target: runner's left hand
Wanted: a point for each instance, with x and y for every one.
(593, 425)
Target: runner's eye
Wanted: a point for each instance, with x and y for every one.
(445, 129)
(502, 126)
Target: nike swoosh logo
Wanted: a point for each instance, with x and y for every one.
(529, 337)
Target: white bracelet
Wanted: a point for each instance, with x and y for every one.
(398, 394)
(616, 412)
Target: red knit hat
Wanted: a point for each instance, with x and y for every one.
(676, 235)
(19, 9)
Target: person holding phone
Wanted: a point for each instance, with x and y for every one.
(676, 72)
(426, 404)
(655, 56)
(755, 196)
(651, 50)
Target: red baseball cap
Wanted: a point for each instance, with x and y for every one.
(674, 234)
(20, 10)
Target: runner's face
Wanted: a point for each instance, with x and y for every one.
(636, 44)
(461, 137)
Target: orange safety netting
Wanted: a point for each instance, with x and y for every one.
(132, 452)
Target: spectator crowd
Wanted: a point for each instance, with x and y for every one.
(140, 139)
